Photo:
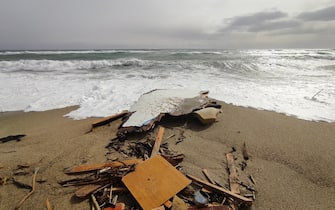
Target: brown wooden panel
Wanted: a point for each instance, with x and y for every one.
(154, 181)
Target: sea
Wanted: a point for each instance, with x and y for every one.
(296, 82)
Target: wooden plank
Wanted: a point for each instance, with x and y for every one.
(218, 189)
(97, 166)
(158, 141)
(86, 190)
(154, 181)
(109, 119)
(233, 176)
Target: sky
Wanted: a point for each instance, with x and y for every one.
(143, 24)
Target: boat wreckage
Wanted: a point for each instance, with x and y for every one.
(151, 107)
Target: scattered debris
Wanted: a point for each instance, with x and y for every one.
(218, 189)
(150, 174)
(12, 138)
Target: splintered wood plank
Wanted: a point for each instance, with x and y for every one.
(233, 176)
(109, 119)
(97, 166)
(158, 141)
(154, 181)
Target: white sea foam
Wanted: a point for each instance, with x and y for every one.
(71, 52)
(105, 87)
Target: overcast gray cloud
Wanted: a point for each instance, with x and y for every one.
(278, 23)
(252, 21)
(326, 14)
(80, 24)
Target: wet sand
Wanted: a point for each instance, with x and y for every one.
(291, 160)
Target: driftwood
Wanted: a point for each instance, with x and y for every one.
(12, 138)
(218, 189)
(31, 192)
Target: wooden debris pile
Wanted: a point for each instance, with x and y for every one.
(151, 179)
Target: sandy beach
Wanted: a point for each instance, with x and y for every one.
(291, 160)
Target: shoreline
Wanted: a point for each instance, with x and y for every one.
(292, 160)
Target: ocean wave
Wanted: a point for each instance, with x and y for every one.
(278, 80)
(58, 52)
(68, 65)
(197, 53)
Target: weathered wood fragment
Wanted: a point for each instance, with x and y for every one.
(86, 190)
(158, 141)
(218, 189)
(233, 176)
(154, 181)
(12, 138)
(245, 152)
(109, 119)
(93, 167)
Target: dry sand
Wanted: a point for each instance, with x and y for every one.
(292, 160)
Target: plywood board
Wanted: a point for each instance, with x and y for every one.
(154, 181)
